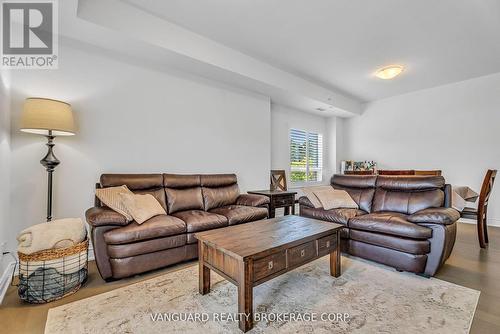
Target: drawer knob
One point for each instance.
(270, 265)
(328, 244)
(302, 253)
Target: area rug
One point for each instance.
(367, 298)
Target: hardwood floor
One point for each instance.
(479, 269)
(468, 265)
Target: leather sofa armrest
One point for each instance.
(100, 216)
(252, 200)
(443, 216)
(303, 200)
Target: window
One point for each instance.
(306, 156)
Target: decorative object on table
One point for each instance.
(53, 260)
(409, 172)
(358, 167)
(359, 172)
(50, 118)
(481, 213)
(278, 199)
(278, 180)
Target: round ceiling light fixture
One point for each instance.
(389, 72)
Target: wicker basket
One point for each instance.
(52, 274)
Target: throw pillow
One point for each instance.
(309, 192)
(111, 198)
(333, 199)
(142, 207)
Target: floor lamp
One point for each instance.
(49, 118)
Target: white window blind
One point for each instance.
(306, 156)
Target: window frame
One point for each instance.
(308, 168)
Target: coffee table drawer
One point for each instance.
(327, 244)
(269, 265)
(302, 253)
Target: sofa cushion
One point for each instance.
(340, 216)
(391, 223)
(410, 183)
(147, 246)
(411, 246)
(406, 202)
(220, 196)
(217, 180)
(181, 181)
(237, 214)
(156, 227)
(184, 199)
(139, 184)
(197, 220)
(361, 188)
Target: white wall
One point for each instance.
(455, 128)
(132, 119)
(282, 120)
(4, 158)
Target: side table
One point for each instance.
(278, 199)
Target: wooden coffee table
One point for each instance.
(250, 254)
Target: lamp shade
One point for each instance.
(43, 115)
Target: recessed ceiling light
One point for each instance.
(389, 72)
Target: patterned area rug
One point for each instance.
(367, 298)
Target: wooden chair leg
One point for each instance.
(480, 232)
(485, 224)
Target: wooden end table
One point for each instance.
(250, 254)
(278, 199)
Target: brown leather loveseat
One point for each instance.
(403, 221)
(193, 203)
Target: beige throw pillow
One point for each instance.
(111, 198)
(142, 207)
(334, 199)
(309, 192)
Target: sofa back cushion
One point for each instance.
(360, 187)
(138, 184)
(183, 192)
(219, 190)
(408, 194)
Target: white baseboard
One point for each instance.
(7, 267)
(491, 221)
(90, 254)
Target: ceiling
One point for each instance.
(339, 44)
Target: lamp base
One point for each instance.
(50, 162)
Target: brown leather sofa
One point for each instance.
(193, 203)
(403, 221)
